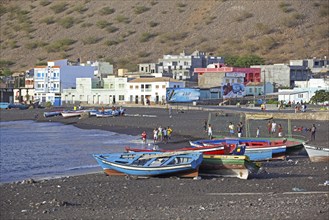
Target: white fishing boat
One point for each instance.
(317, 154)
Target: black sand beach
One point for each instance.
(293, 188)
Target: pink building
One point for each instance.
(217, 72)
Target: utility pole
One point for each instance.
(264, 86)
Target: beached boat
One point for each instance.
(227, 166)
(256, 149)
(317, 154)
(51, 114)
(104, 114)
(149, 163)
(209, 150)
(67, 114)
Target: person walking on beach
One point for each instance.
(160, 134)
(205, 125)
(144, 135)
(269, 127)
(155, 135)
(273, 127)
(165, 135)
(238, 129)
(313, 130)
(257, 132)
(209, 131)
(231, 129)
(241, 128)
(280, 130)
(169, 131)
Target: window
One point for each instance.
(121, 86)
(121, 97)
(250, 90)
(136, 87)
(300, 95)
(157, 86)
(131, 87)
(163, 86)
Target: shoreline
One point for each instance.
(293, 188)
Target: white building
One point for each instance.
(152, 89)
(50, 80)
(88, 92)
(304, 90)
(117, 90)
(182, 66)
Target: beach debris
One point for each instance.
(197, 178)
(296, 189)
(326, 183)
(28, 181)
(24, 210)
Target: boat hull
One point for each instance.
(317, 154)
(152, 165)
(227, 166)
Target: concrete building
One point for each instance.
(148, 67)
(303, 91)
(257, 88)
(88, 92)
(182, 66)
(24, 93)
(315, 65)
(151, 90)
(217, 75)
(283, 75)
(51, 80)
(118, 90)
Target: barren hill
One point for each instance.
(127, 32)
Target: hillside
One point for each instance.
(127, 32)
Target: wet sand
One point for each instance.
(293, 188)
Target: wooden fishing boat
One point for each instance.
(150, 163)
(67, 114)
(51, 114)
(209, 150)
(317, 154)
(260, 149)
(227, 166)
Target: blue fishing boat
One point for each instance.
(149, 163)
(256, 149)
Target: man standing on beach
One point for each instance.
(210, 131)
(231, 129)
(313, 130)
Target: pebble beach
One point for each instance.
(294, 188)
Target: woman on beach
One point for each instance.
(144, 135)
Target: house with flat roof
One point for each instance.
(151, 90)
(51, 80)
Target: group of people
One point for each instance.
(304, 129)
(273, 128)
(160, 134)
(238, 129)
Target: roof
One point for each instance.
(255, 84)
(287, 93)
(154, 79)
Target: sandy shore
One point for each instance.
(293, 188)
